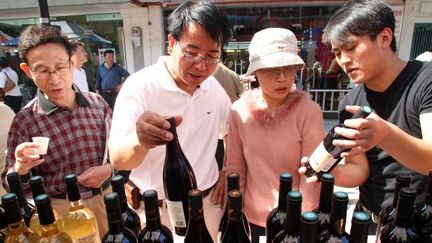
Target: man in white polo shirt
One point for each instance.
(79, 57)
(178, 85)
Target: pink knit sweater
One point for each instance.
(262, 144)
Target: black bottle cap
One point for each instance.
(195, 203)
(36, 184)
(11, 207)
(44, 209)
(233, 181)
(14, 180)
(403, 179)
(309, 218)
(117, 184)
(112, 205)
(72, 187)
(150, 198)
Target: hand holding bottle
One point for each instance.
(152, 129)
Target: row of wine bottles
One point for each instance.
(325, 224)
(403, 220)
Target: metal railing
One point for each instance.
(328, 99)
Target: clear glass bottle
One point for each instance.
(179, 179)
(18, 232)
(117, 232)
(130, 218)
(154, 231)
(80, 222)
(27, 209)
(276, 217)
(50, 232)
(36, 185)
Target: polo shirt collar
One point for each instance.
(49, 107)
(168, 83)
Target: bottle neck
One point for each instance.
(326, 197)
(115, 226)
(76, 205)
(17, 228)
(284, 188)
(153, 223)
(404, 212)
(50, 229)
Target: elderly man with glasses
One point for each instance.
(76, 123)
(178, 85)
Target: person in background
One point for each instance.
(109, 78)
(229, 79)
(425, 56)
(177, 85)
(397, 137)
(79, 57)
(272, 128)
(7, 116)
(9, 83)
(77, 124)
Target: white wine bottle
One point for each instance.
(36, 185)
(27, 209)
(80, 222)
(179, 179)
(17, 229)
(50, 231)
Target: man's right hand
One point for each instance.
(26, 157)
(152, 129)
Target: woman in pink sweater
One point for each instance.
(272, 128)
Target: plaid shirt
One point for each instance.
(77, 137)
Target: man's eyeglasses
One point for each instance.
(195, 58)
(275, 72)
(59, 71)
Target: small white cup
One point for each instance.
(42, 143)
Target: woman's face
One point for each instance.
(276, 83)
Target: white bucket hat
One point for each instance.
(273, 47)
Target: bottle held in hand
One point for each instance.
(326, 156)
(179, 179)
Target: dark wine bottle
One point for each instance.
(197, 230)
(326, 156)
(276, 217)
(233, 183)
(359, 227)
(179, 179)
(154, 231)
(325, 202)
(17, 229)
(423, 214)
(309, 227)
(291, 231)
(27, 209)
(50, 231)
(235, 231)
(3, 222)
(401, 230)
(117, 232)
(336, 232)
(130, 218)
(387, 214)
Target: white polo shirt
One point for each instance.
(205, 119)
(80, 79)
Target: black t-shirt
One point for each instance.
(409, 96)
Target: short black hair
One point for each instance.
(4, 62)
(360, 17)
(205, 13)
(109, 51)
(36, 35)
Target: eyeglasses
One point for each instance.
(275, 72)
(195, 58)
(59, 71)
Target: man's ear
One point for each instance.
(26, 69)
(385, 37)
(171, 42)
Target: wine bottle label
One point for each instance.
(176, 213)
(88, 238)
(320, 159)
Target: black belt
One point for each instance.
(109, 90)
(88, 194)
(205, 193)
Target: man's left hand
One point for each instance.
(95, 176)
(219, 191)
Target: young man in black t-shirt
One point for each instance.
(397, 137)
